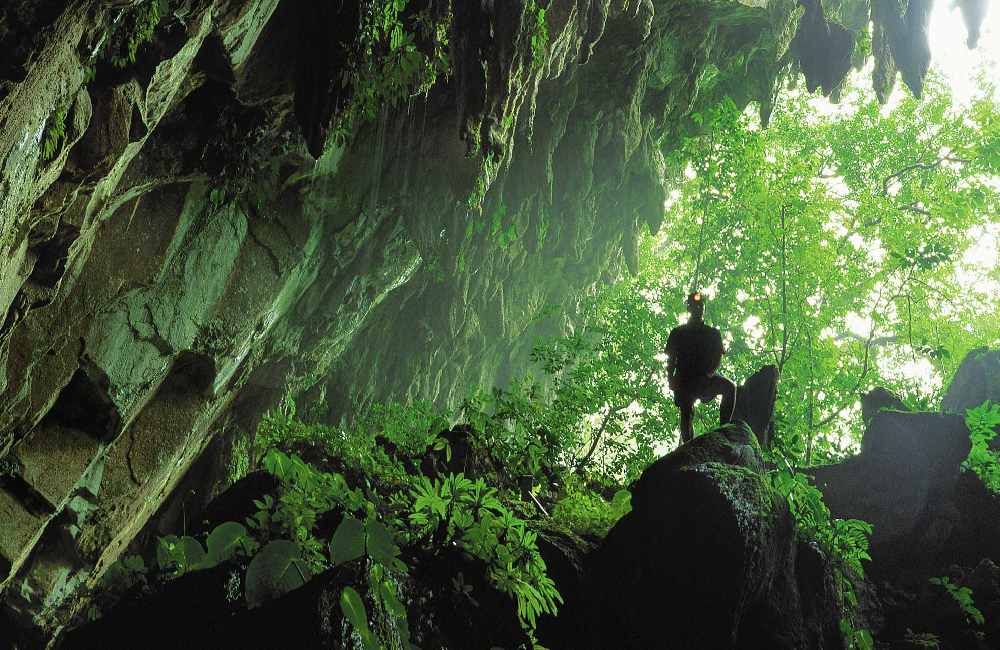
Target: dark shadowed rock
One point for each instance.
(205, 610)
(565, 557)
(977, 380)
(755, 401)
(707, 559)
(880, 399)
(902, 483)
(731, 445)
(237, 502)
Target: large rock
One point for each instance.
(977, 380)
(877, 400)
(707, 559)
(903, 484)
(755, 401)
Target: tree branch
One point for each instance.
(597, 437)
(922, 166)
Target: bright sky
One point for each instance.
(953, 58)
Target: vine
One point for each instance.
(397, 55)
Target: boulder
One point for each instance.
(708, 558)
(565, 556)
(977, 380)
(755, 401)
(903, 484)
(880, 399)
(205, 609)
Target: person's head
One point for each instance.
(696, 305)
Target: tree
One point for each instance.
(830, 245)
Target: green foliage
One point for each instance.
(131, 28)
(414, 429)
(586, 513)
(606, 408)
(348, 542)
(834, 245)
(856, 639)
(354, 539)
(354, 611)
(398, 54)
(225, 542)
(54, 136)
(239, 459)
(398, 506)
(511, 425)
(962, 596)
(843, 541)
(179, 555)
(176, 556)
(539, 33)
(134, 30)
(277, 569)
(306, 492)
(983, 423)
(457, 510)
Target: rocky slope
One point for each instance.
(184, 232)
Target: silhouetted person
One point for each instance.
(694, 351)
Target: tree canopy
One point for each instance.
(852, 248)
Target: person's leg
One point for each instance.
(719, 385)
(685, 404)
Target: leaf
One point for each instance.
(381, 546)
(277, 569)
(392, 603)
(224, 542)
(178, 555)
(348, 541)
(354, 611)
(166, 552)
(192, 553)
(278, 464)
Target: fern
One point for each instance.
(142, 23)
(54, 136)
(962, 596)
(844, 541)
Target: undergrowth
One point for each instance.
(983, 423)
(844, 542)
(400, 494)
